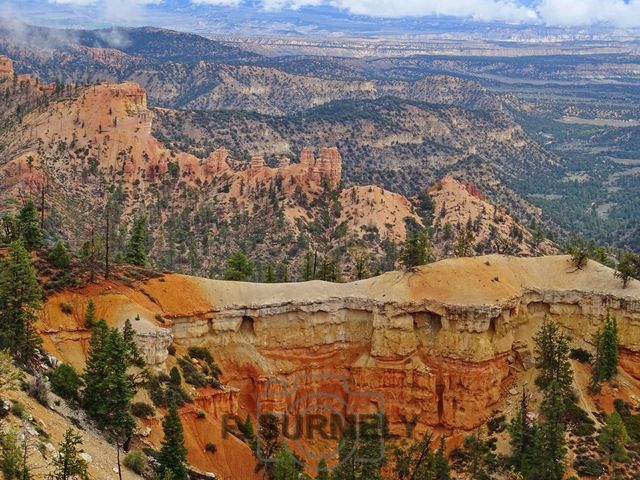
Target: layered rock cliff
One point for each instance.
(435, 343)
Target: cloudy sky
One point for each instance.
(575, 13)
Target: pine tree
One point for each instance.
(90, 315)
(270, 278)
(361, 452)
(609, 349)
(137, 246)
(521, 432)
(613, 438)
(59, 257)
(323, 470)
(239, 268)
(109, 389)
(68, 464)
(628, 267)
(267, 443)
(20, 298)
(30, 226)
(173, 454)
(553, 348)
(308, 266)
(440, 463)
(549, 447)
(9, 375)
(464, 242)
(417, 250)
(286, 467)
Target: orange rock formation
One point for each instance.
(437, 343)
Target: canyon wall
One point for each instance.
(436, 342)
(434, 347)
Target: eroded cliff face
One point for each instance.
(437, 344)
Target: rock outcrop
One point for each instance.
(6, 68)
(460, 206)
(435, 343)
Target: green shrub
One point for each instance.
(632, 424)
(66, 308)
(18, 409)
(142, 410)
(191, 374)
(581, 355)
(59, 257)
(11, 458)
(163, 392)
(200, 353)
(497, 424)
(588, 467)
(211, 447)
(135, 462)
(65, 381)
(200, 414)
(174, 375)
(622, 407)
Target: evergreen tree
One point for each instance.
(68, 464)
(267, 443)
(239, 268)
(65, 381)
(323, 470)
(109, 388)
(596, 366)
(418, 462)
(59, 257)
(464, 242)
(9, 375)
(549, 448)
(173, 454)
(90, 315)
(613, 438)
(20, 298)
(553, 348)
(270, 277)
(521, 434)
(30, 226)
(286, 467)
(480, 459)
(361, 453)
(628, 267)
(609, 349)
(174, 375)
(440, 463)
(417, 250)
(308, 266)
(580, 251)
(137, 246)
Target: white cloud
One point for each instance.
(121, 11)
(588, 12)
(623, 13)
(220, 3)
(508, 10)
(106, 3)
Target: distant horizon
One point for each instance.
(490, 19)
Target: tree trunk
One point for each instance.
(118, 456)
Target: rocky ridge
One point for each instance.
(86, 145)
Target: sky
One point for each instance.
(552, 13)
